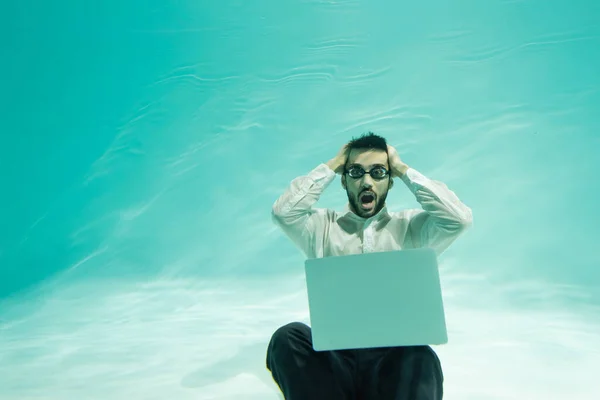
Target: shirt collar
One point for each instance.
(381, 215)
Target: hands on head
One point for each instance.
(397, 166)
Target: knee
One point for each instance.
(425, 353)
(289, 332)
(411, 354)
(287, 339)
(427, 356)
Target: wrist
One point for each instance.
(334, 165)
(400, 170)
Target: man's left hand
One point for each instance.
(397, 166)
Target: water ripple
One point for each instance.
(187, 74)
(379, 114)
(306, 74)
(333, 47)
(492, 53)
(365, 77)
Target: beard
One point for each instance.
(358, 210)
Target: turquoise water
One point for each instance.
(144, 143)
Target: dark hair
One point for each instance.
(368, 140)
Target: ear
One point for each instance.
(344, 181)
(391, 183)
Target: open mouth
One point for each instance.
(367, 200)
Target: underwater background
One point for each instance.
(143, 143)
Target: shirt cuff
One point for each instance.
(322, 172)
(413, 177)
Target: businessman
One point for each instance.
(367, 166)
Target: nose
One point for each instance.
(367, 181)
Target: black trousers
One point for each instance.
(392, 373)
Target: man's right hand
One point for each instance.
(338, 162)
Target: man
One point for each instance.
(367, 166)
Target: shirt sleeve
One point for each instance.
(293, 211)
(443, 216)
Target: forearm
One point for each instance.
(303, 192)
(293, 211)
(443, 218)
(442, 205)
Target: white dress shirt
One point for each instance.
(320, 232)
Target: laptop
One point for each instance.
(382, 299)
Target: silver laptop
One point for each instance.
(378, 299)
